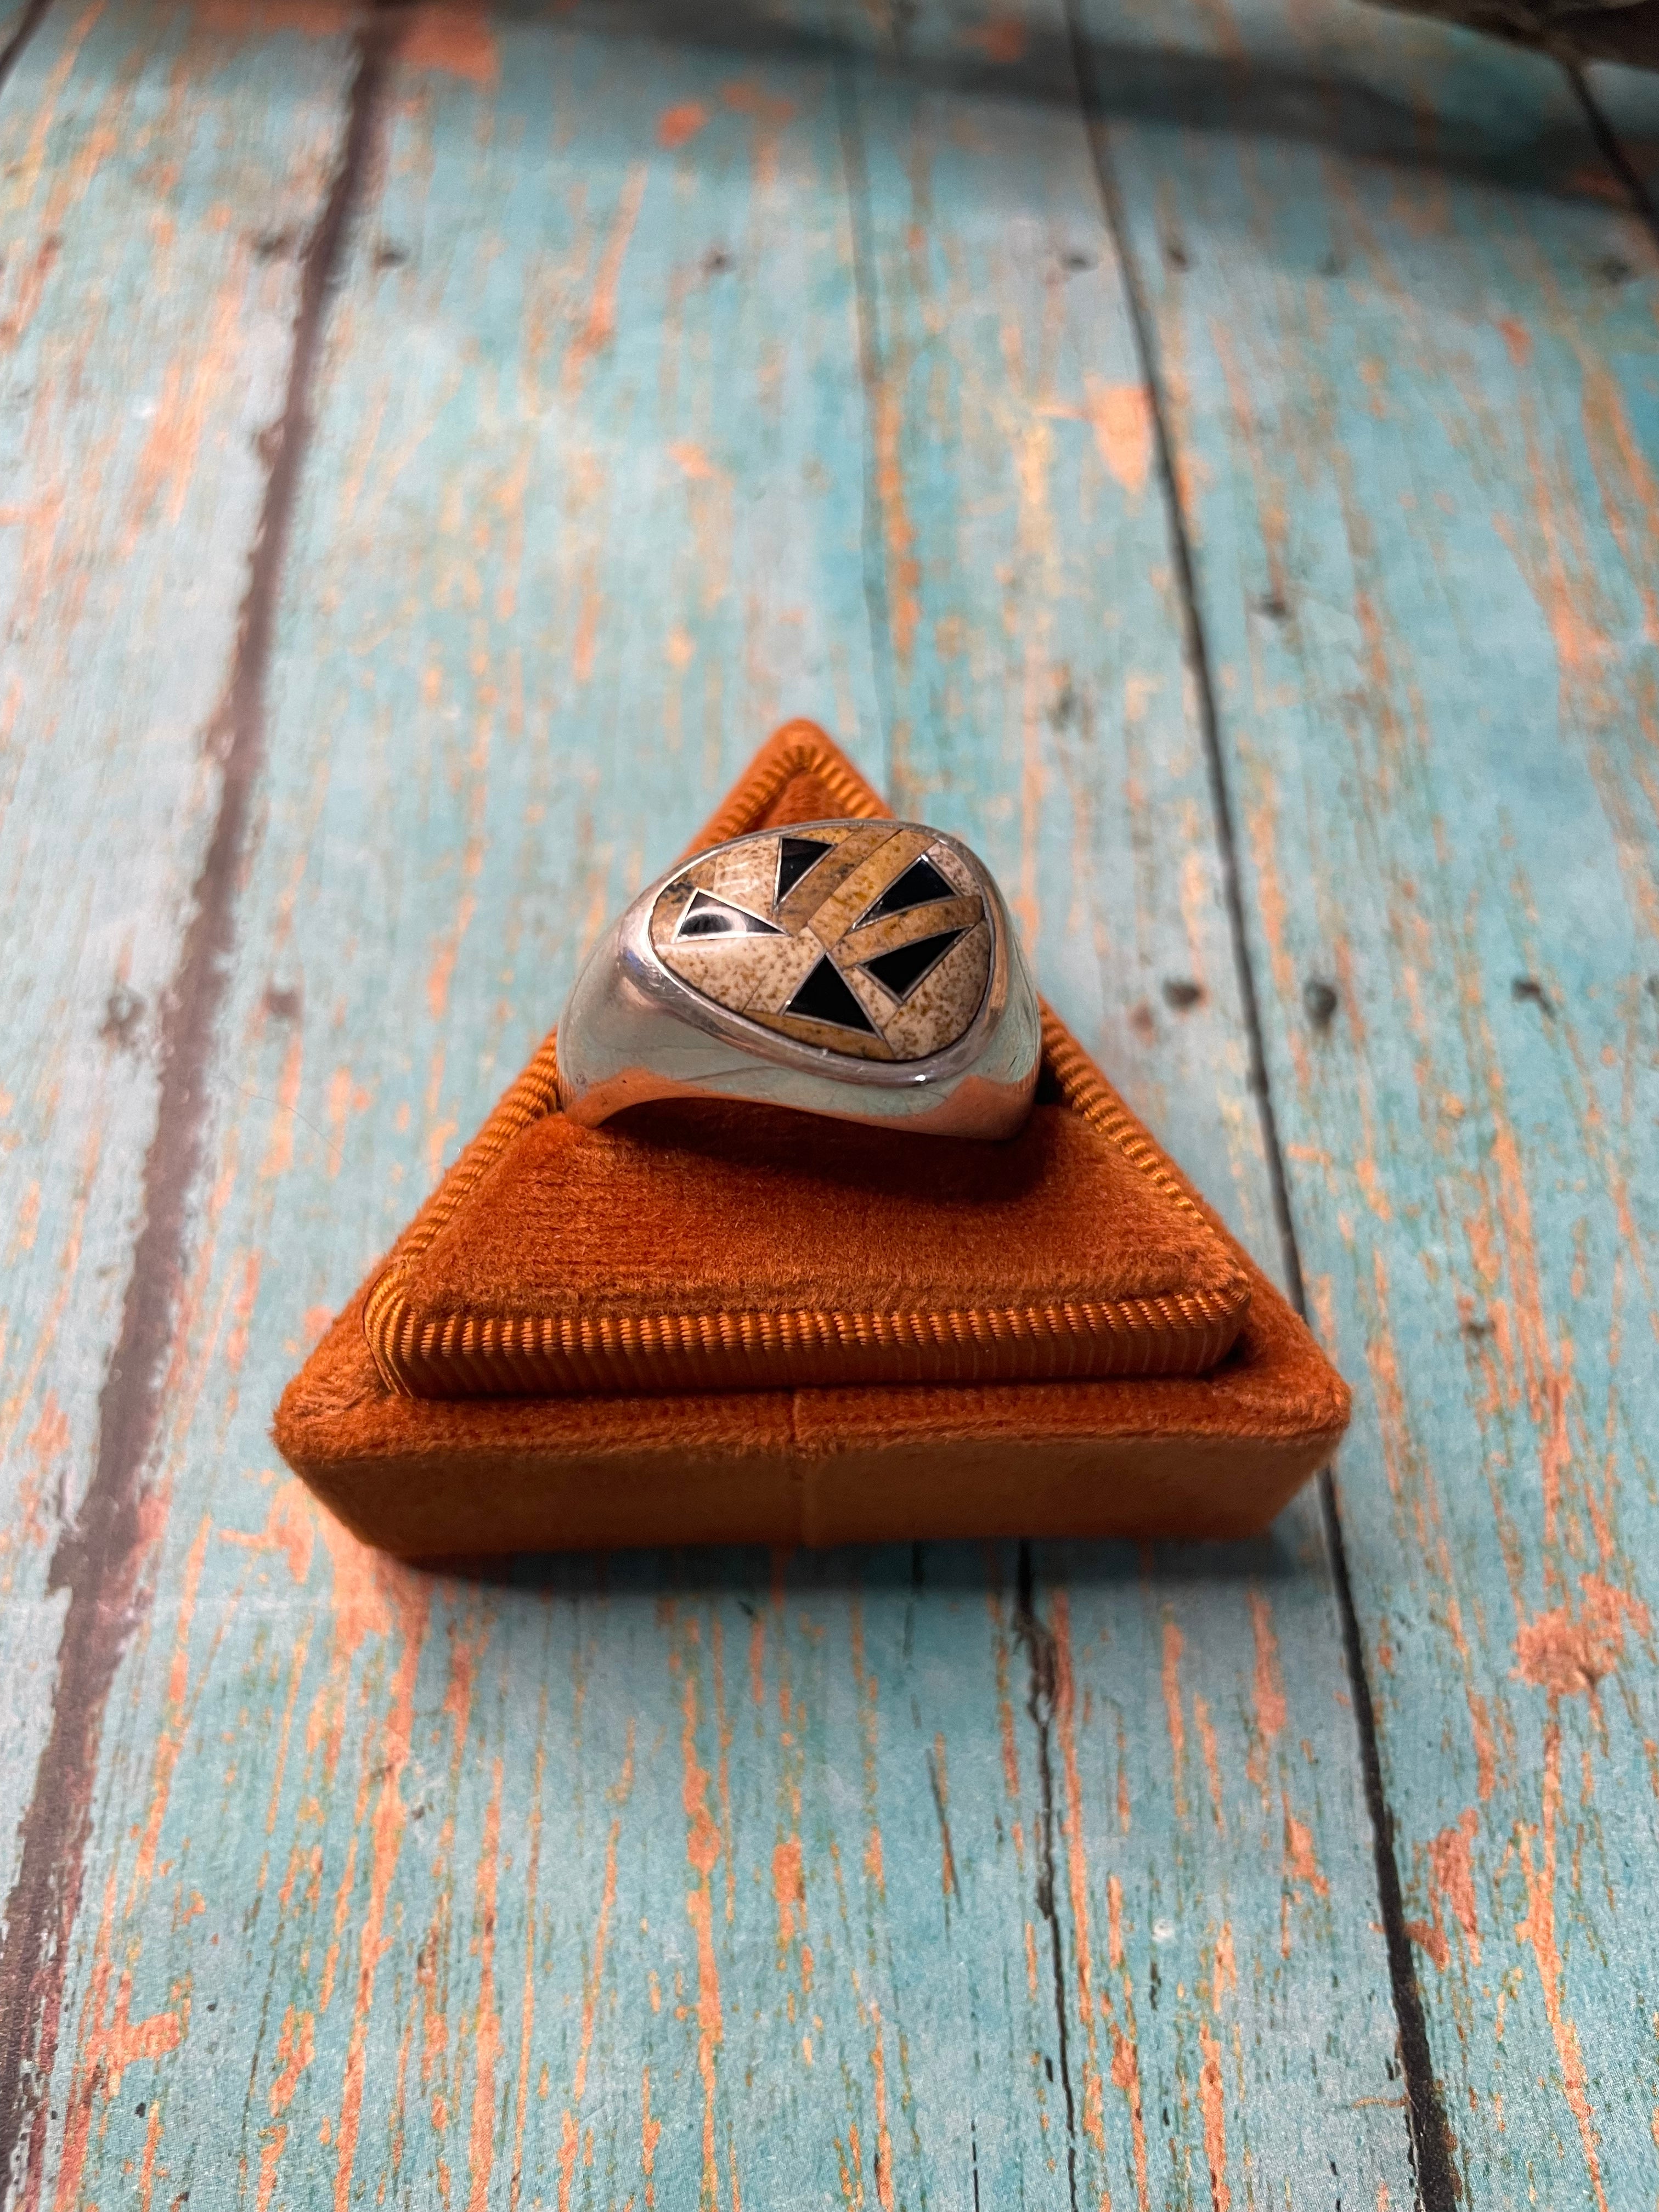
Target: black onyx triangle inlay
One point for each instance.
(824, 997)
(902, 971)
(920, 883)
(795, 856)
(713, 917)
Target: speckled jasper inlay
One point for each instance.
(867, 939)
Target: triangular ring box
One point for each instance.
(725, 1324)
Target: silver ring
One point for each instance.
(862, 970)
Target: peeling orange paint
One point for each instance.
(1537, 1930)
(1077, 1869)
(677, 125)
(279, 1153)
(1212, 2097)
(527, 1990)
(1301, 1867)
(599, 327)
(1225, 1982)
(1207, 1739)
(1174, 1644)
(702, 1847)
(296, 2046)
(362, 1608)
(591, 1982)
(693, 462)
(106, 2048)
(769, 112)
(451, 41)
(290, 1528)
(487, 2019)
(884, 2140)
(1451, 1879)
(166, 465)
(1000, 39)
(1569, 1655)
(904, 567)
(868, 1689)
(1120, 416)
(243, 20)
(789, 1889)
(170, 1737)
(1125, 2057)
(650, 2137)
(147, 2164)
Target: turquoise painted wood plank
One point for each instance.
(1410, 382)
(1230, 2030)
(511, 1891)
(600, 1890)
(152, 178)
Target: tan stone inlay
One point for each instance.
(748, 877)
(852, 1044)
(734, 971)
(821, 877)
(954, 869)
(834, 916)
(757, 973)
(877, 1000)
(670, 904)
(790, 960)
(894, 930)
(945, 1000)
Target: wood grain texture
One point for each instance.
(699, 1879)
(551, 1895)
(675, 384)
(1230, 2025)
(567, 1895)
(1405, 334)
(153, 176)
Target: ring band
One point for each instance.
(866, 970)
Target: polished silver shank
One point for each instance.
(635, 1029)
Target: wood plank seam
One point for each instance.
(1039, 1643)
(100, 1556)
(1430, 2134)
(1611, 149)
(1029, 1628)
(873, 550)
(27, 24)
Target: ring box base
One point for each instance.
(1142, 1455)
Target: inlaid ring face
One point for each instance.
(871, 940)
(867, 970)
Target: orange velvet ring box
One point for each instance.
(718, 1323)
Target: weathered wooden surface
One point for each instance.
(1034, 651)
(150, 172)
(1405, 331)
(667, 376)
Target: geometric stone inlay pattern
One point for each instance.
(867, 939)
